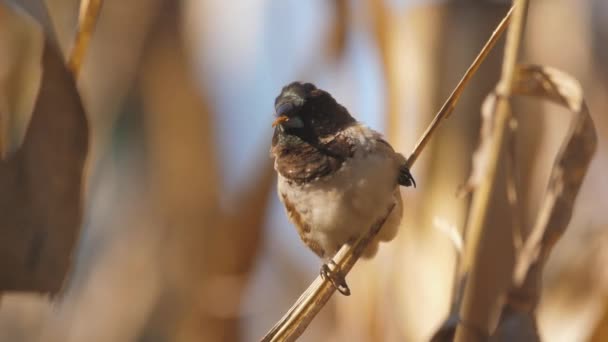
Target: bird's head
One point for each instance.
(303, 110)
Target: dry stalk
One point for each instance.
(299, 316)
(483, 190)
(87, 18)
(481, 198)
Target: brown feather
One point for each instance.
(305, 162)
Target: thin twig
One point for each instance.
(481, 198)
(450, 103)
(299, 316)
(89, 12)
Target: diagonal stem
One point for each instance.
(299, 316)
(481, 199)
(450, 103)
(89, 12)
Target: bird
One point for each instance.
(336, 176)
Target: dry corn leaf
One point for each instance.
(37, 10)
(571, 164)
(40, 185)
(517, 321)
(20, 72)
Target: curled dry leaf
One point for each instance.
(517, 320)
(20, 72)
(37, 10)
(571, 163)
(40, 186)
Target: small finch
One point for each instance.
(336, 176)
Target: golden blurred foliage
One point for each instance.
(137, 187)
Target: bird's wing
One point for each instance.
(405, 177)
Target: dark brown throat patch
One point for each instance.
(301, 161)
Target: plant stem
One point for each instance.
(299, 316)
(89, 12)
(481, 198)
(450, 103)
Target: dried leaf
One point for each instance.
(571, 164)
(40, 186)
(21, 42)
(37, 10)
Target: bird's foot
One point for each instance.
(335, 277)
(405, 177)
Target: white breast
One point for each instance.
(345, 204)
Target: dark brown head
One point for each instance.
(304, 111)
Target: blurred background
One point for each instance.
(183, 237)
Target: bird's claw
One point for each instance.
(405, 177)
(335, 277)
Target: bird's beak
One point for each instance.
(280, 120)
(288, 121)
